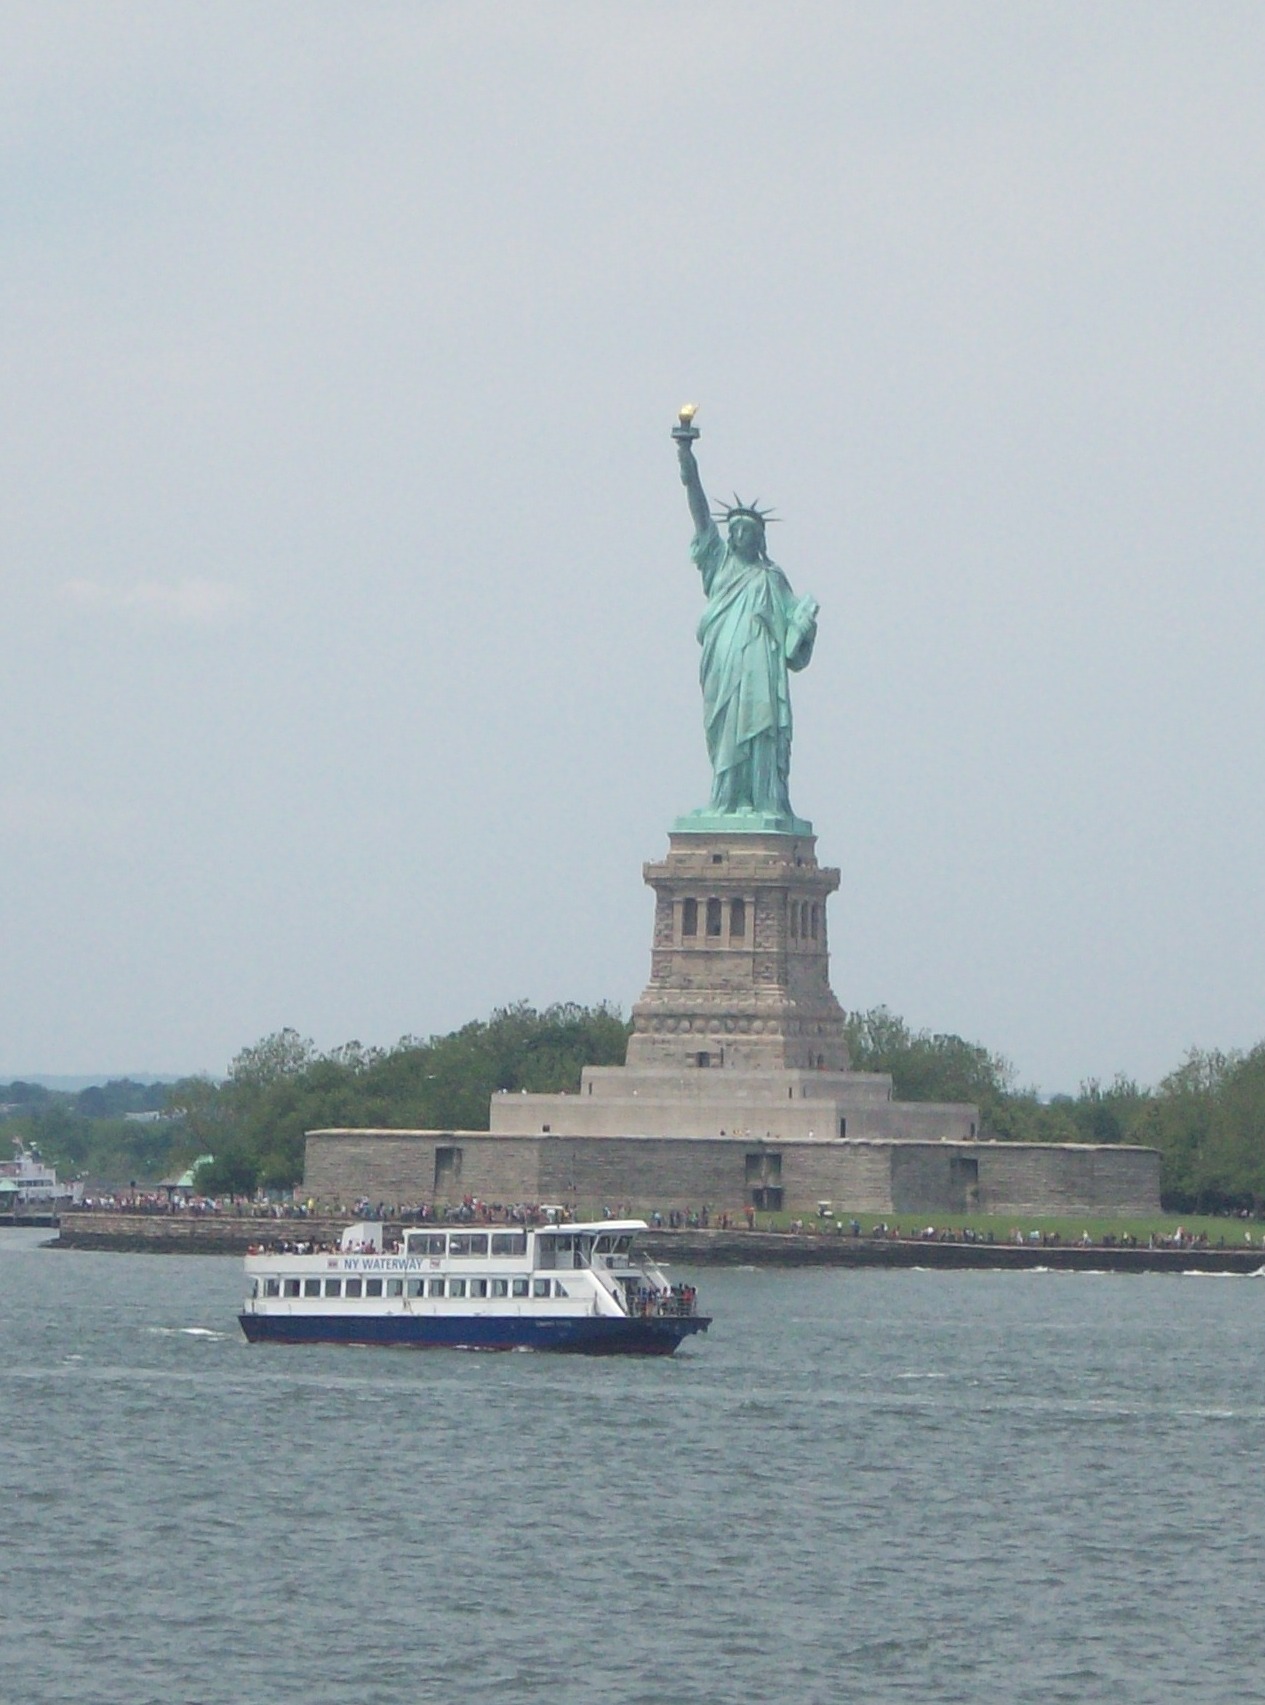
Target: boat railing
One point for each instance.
(680, 1302)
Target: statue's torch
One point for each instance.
(685, 431)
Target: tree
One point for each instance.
(926, 1066)
(1207, 1118)
(1109, 1115)
(281, 1087)
(283, 1054)
(233, 1173)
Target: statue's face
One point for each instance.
(745, 538)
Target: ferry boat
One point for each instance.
(29, 1187)
(580, 1288)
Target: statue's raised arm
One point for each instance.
(685, 432)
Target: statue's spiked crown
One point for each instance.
(732, 511)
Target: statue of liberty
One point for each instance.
(752, 632)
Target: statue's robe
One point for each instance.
(753, 630)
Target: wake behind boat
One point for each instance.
(578, 1288)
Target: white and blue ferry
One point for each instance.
(582, 1288)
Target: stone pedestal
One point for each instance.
(737, 1036)
(739, 970)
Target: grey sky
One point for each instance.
(348, 618)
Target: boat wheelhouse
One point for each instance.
(581, 1288)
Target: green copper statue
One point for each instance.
(752, 632)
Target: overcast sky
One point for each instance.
(348, 622)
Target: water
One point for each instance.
(915, 1485)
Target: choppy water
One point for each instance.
(957, 1486)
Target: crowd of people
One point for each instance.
(178, 1201)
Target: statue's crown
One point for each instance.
(752, 511)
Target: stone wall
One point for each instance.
(932, 1178)
(782, 1106)
(640, 1172)
(185, 1233)
(1041, 1178)
(421, 1166)
(923, 1180)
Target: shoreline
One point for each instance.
(207, 1234)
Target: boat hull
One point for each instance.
(586, 1335)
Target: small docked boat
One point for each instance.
(578, 1288)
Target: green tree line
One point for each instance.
(88, 1133)
(1207, 1118)
(254, 1122)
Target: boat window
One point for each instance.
(426, 1243)
(434, 1288)
(468, 1243)
(500, 1287)
(311, 1287)
(456, 1287)
(417, 1287)
(333, 1287)
(272, 1287)
(254, 1287)
(519, 1288)
(509, 1243)
(373, 1287)
(353, 1287)
(478, 1287)
(559, 1289)
(290, 1288)
(395, 1287)
(540, 1287)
